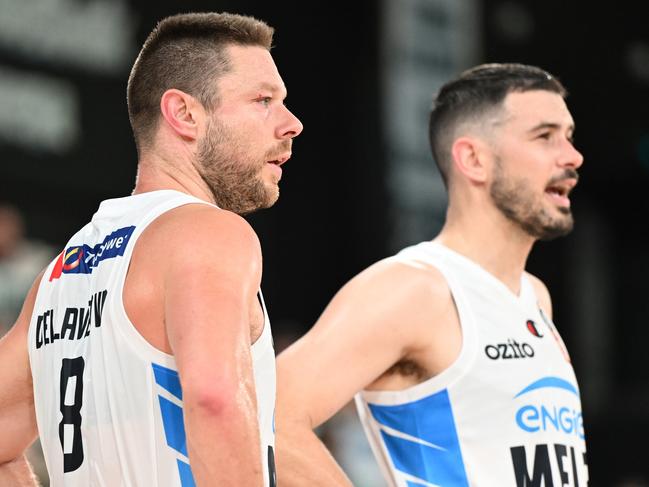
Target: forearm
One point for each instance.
(302, 459)
(224, 448)
(17, 473)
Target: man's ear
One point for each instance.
(182, 112)
(470, 159)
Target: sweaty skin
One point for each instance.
(396, 325)
(191, 289)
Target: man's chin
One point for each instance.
(272, 194)
(557, 230)
(267, 202)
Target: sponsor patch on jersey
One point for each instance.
(550, 411)
(511, 349)
(82, 259)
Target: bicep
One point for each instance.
(355, 341)
(208, 294)
(17, 415)
(206, 318)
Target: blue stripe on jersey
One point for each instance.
(172, 419)
(168, 379)
(556, 382)
(414, 484)
(432, 453)
(186, 476)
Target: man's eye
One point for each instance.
(545, 136)
(264, 100)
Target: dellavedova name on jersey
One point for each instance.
(548, 464)
(76, 324)
(82, 259)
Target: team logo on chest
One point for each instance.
(532, 328)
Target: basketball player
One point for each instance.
(459, 374)
(143, 354)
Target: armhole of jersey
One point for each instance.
(31, 329)
(528, 291)
(266, 330)
(123, 323)
(460, 365)
(375, 441)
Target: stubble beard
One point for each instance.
(517, 202)
(233, 177)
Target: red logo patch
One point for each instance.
(531, 326)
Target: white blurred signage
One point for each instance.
(425, 44)
(96, 35)
(40, 112)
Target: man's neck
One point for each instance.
(156, 173)
(495, 243)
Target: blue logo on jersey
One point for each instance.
(82, 259)
(542, 416)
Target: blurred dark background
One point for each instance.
(65, 144)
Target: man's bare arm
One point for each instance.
(212, 278)
(372, 323)
(17, 473)
(17, 415)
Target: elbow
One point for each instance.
(212, 398)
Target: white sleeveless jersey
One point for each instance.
(507, 412)
(109, 405)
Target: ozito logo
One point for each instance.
(82, 259)
(509, 350)
(531, 326)
(542, 414)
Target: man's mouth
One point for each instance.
(559, 191)
(281, 159)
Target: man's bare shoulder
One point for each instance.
(542, 293)
(397, 295)
(394, 310)
(199, 223)
(405, 279)
(202, 232)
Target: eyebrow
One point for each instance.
(271, 87)
(550, 125)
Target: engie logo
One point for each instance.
(82, 259)
(544, 415)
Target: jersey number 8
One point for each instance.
(70, 407)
